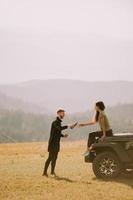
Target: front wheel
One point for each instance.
(106, 165)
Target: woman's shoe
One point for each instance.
(86, 153)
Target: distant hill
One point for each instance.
(73, 95)
(15, 104)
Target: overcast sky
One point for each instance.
(75, 39)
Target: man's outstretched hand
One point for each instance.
(73, 125)
(66, 135)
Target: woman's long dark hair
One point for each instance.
(101, 106)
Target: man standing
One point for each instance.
(54, 142)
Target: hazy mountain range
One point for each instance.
(46, 96)
(12, 104)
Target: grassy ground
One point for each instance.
(21, 167)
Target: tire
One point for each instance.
(106, 165)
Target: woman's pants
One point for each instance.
(99, 134)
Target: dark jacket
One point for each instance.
(55, 135)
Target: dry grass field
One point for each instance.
(21, 168)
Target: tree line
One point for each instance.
(18, 126)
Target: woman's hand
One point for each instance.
(81, 125)
(103, 138)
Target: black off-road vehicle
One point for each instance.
(112, 156)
